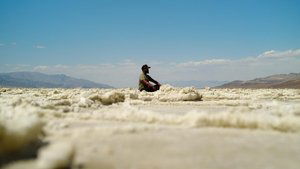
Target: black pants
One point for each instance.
(148, 89)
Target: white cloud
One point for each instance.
(236, 69)
(206, 62)
(280, 54)
(59, 66)
(127, 62)
(249, 60)
(15, 67)
(12, 43)
(40, 68)
(39, 46)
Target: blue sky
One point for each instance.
(65, 33)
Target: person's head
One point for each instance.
(145, 69)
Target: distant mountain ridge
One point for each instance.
(41, 80)
(291, 80)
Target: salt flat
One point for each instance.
(170, 128)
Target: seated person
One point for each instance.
(145, 79)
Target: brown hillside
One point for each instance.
(291, 80)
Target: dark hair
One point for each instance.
(145, 67)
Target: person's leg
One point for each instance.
(156, 87)
(148, 89)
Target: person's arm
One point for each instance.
(152, 80)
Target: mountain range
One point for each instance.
(41, 80)
(291, 80)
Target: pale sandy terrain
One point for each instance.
(176, 128)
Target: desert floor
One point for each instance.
(178, 128)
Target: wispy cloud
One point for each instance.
(15, 67)
(12, 44)
(40, 68)
(205, 62)
(280, 54)
(127, 62)
(39, 46)
(271, 54)
(59, 66)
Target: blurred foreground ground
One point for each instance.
(173, 128)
